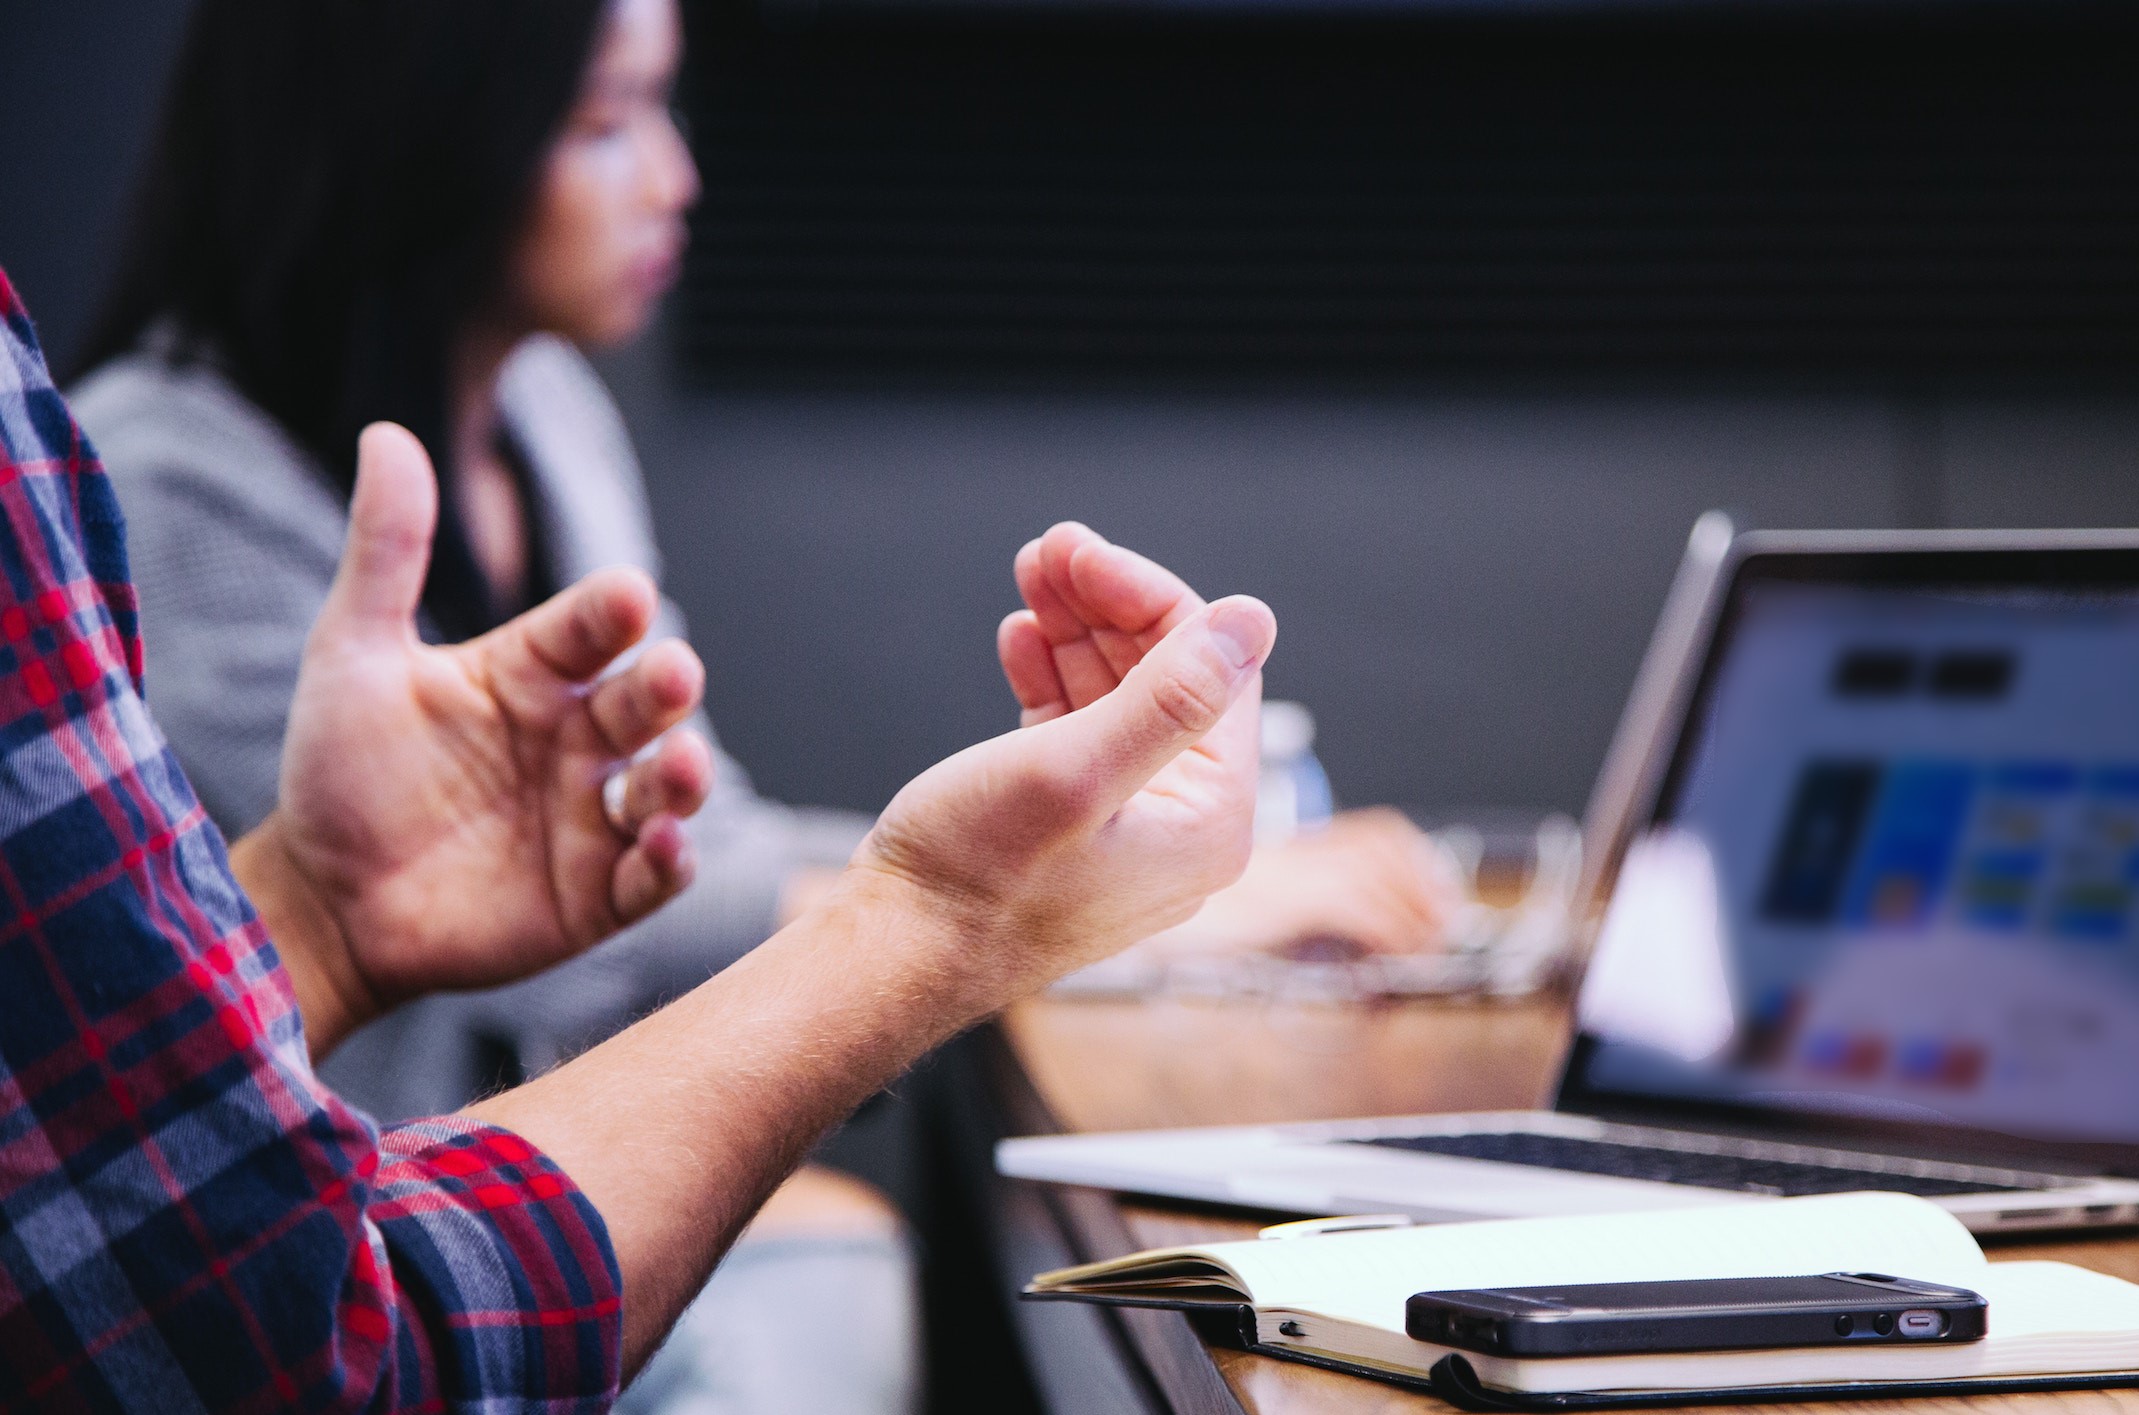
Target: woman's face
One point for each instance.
(606, 236)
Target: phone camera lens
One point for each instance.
(1884, 1324)
(1844, 1324)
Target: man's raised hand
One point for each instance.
(1125, 799)
(1371, 877)
(441, 822)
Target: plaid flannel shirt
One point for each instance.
(189, 1221)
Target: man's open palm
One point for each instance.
(445, 804)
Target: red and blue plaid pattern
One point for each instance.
(188, 1219)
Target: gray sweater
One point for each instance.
(234, 533)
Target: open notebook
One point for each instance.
(1338, 1299)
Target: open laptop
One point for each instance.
(1869, 902)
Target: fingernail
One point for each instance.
(1242, 631)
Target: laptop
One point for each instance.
(1866, 892)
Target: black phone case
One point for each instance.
(1650, 1324)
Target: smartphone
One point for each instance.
(1637, 1318)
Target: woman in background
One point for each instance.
(420, 211)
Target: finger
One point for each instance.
(1392, 921)
(393, 513)
(1086, 667)
(1407, 861)
(659, 865)
(1053, 614)
(1087, 673)
(660, 689)
(1182, 691)
(673, 781)
(1129, 593)
(1389, 881)
(1059, 545)
(1133, 602)
(1100, 605)
(578, 632)
(1075, 661)
(1029, 665)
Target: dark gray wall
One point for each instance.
(81, 80)
(1464, 580)
(1464, 583)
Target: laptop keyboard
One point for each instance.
(1706, 1169)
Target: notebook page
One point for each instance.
(2037, 1300)
(1365, 1277)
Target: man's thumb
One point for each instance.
(1179, 693)
(392, 517)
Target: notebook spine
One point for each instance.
(1454, 1380)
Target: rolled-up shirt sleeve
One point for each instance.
(501, 1270)
(189, 1220)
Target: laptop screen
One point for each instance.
(1894, 870)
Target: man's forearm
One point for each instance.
(678, 1127)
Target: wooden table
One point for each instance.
(1105, 1065)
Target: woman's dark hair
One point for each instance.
(333, 195)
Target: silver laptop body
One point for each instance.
(1893, 778)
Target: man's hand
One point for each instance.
(1127, 796)
(441, 822)
(1371, 879)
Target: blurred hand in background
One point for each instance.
(1369, 881)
